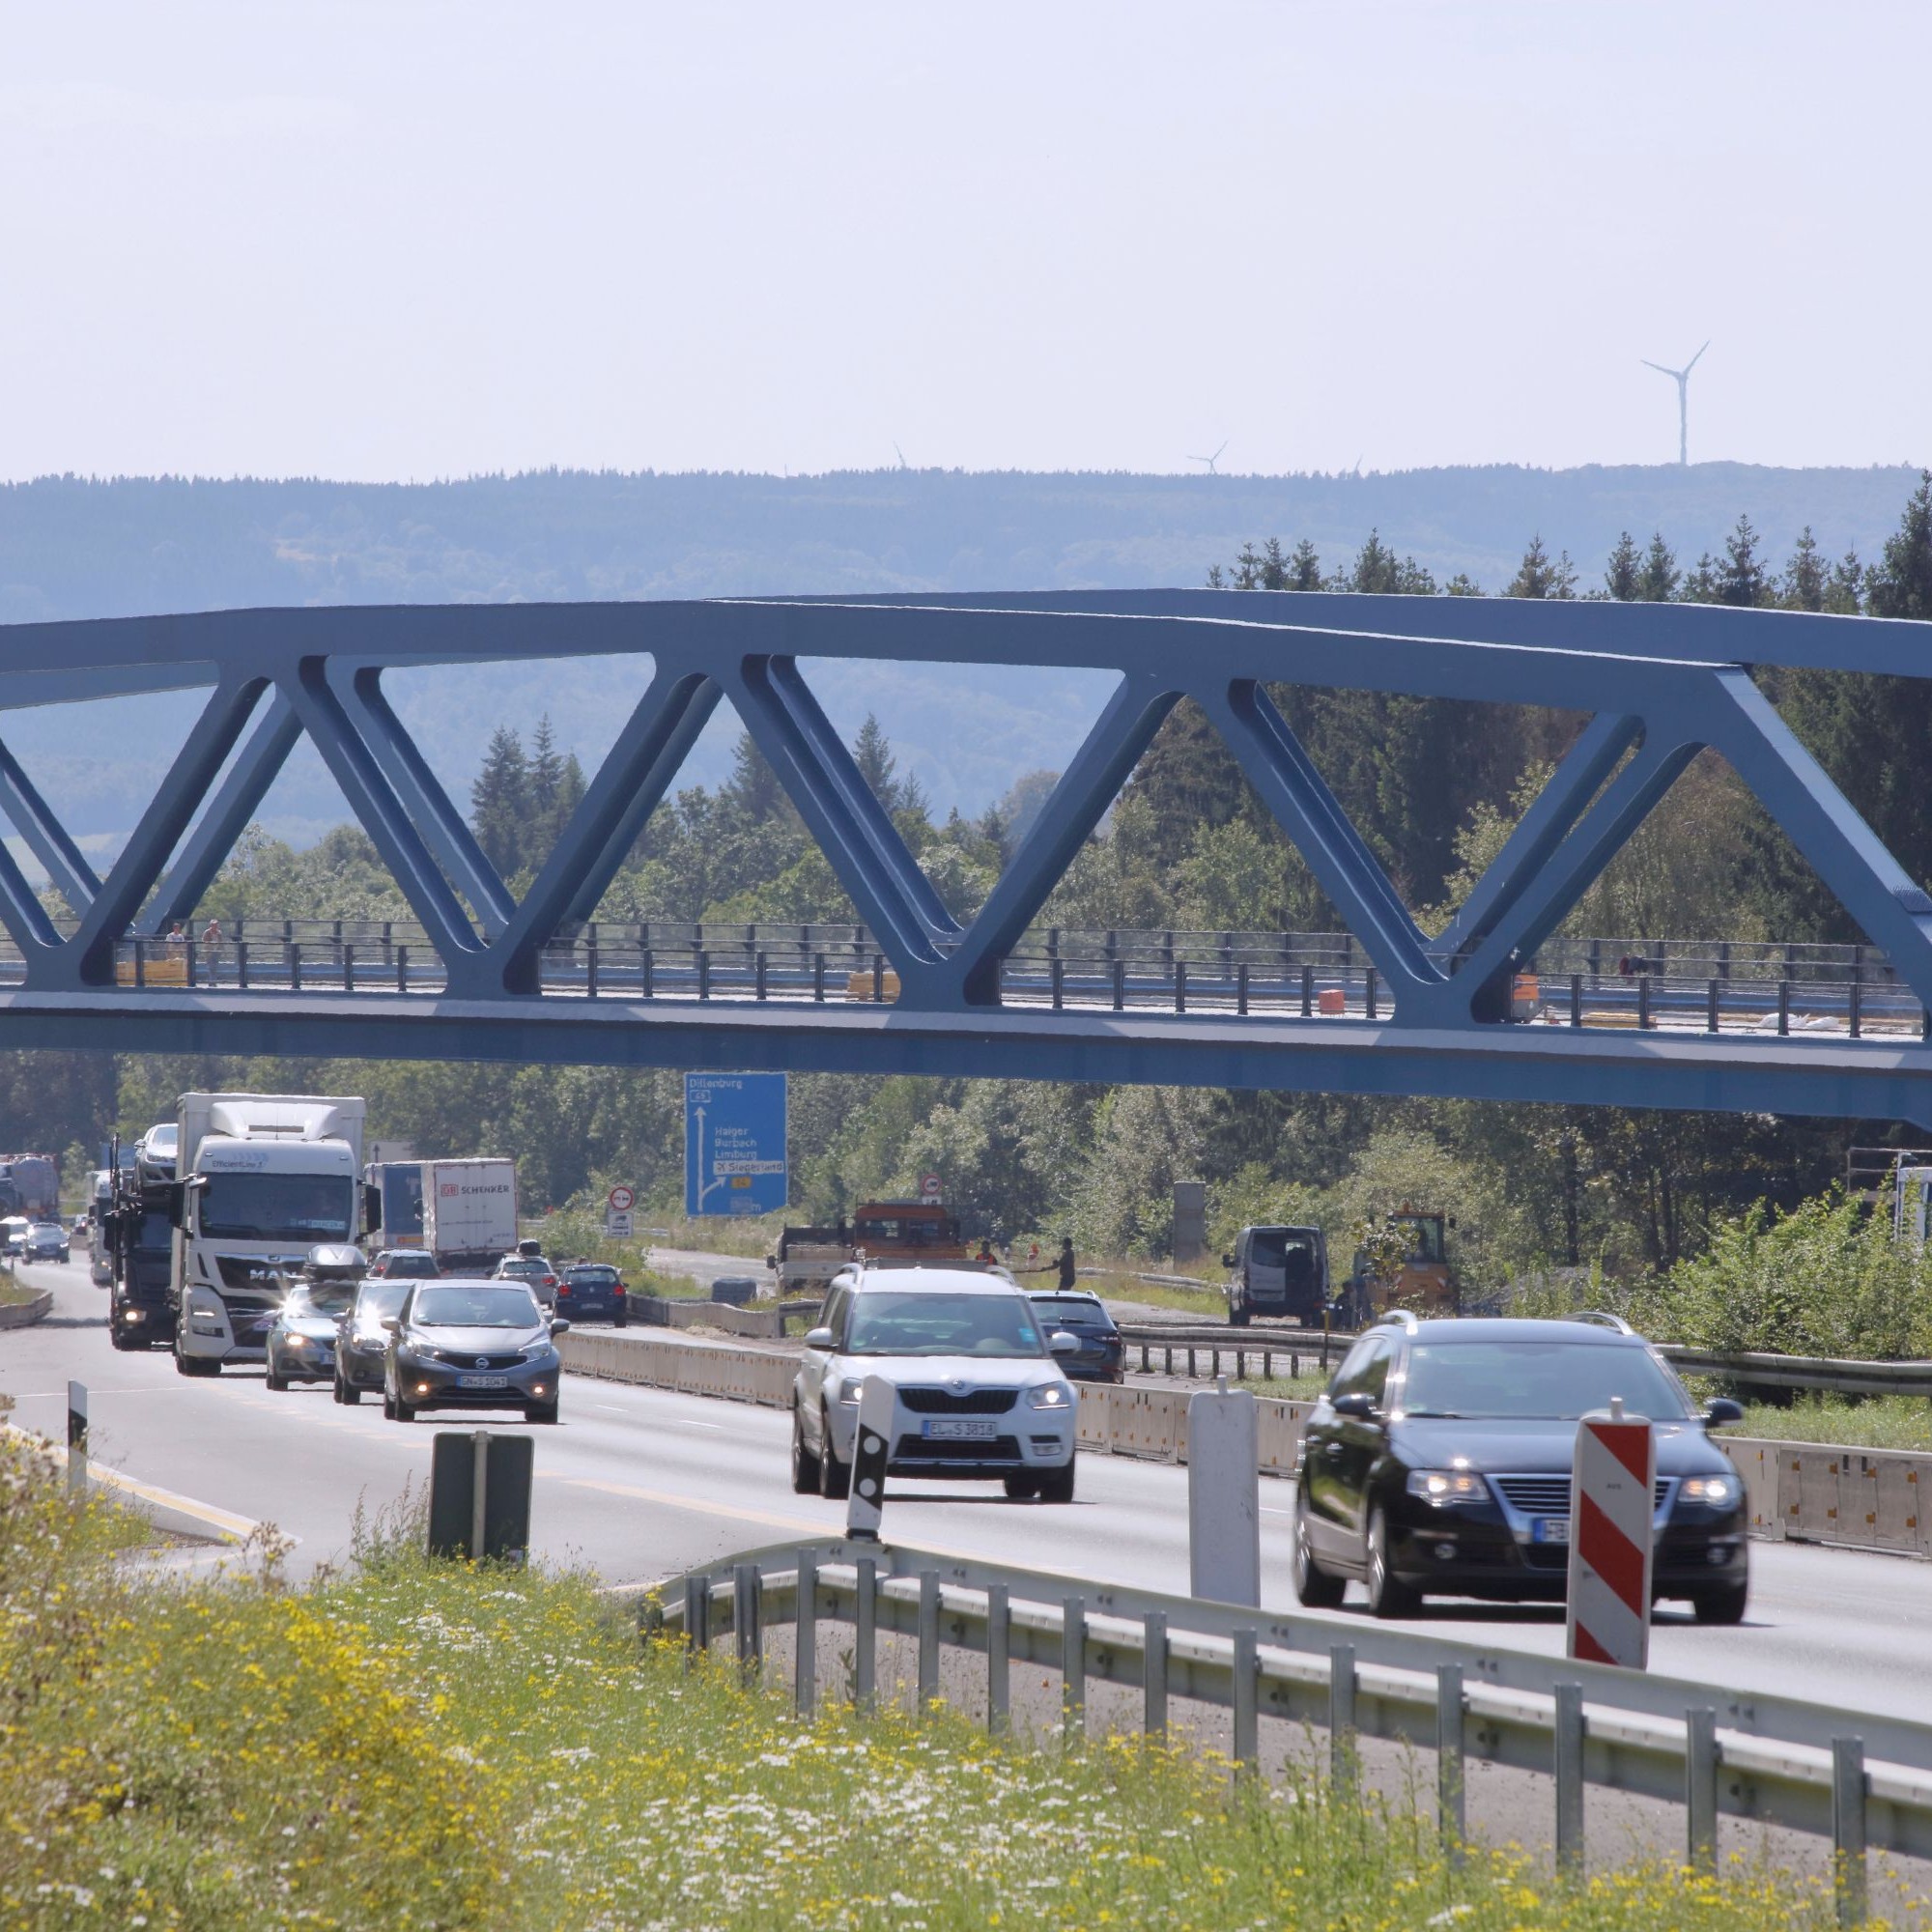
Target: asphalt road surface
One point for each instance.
(641, 1483)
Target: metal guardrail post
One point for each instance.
(696, 1617)
(1119, 986)
(818, 978)
(928, 1639)
(1181, 986)
(1449, 1762)
(758, 969)
(1711, 1006)
(1643, 1003)
(1368, 993)
(1341, 1763)
(999, 1658)
(1073, 1665)
(1056, 973)
(878, 979)
(1854, 1005)
(747, 1591)
(140, 962)
(703, 974)
(646, 974)
(864, 1631)
(348, 969)
(295, 952)
(805, 1632)
(187, 959)
(1847, 1827)
(402, 969)
(1783, 1006)
(1569, 1767)
(1307, 991)
(1241, 987)
(1153, 1674)
(242, 965)
(590, 969)
(1575, 999)
(1247, 1691)
(1700, 1789)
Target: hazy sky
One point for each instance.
(396, 239)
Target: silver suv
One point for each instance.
(978, 1394)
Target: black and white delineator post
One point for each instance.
(1224, 1501)
(76, 1439)
(871, 1449)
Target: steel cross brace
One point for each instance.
(1657, 683)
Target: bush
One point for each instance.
(1826, 1279)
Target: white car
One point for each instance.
(979, 1396)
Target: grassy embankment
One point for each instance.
(409, 1747)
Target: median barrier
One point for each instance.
(1798, 1491)
(24, 1313)
(759, 1325)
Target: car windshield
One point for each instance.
(931, 1323)
(320, 1298)
(305, 1207)
(1558, 1380)
(1071, 1311)
(1275, 1247)
(476, 1308)
(376, 1300)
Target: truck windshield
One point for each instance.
(305, 1207)
(922, 1322)
(155, 1234)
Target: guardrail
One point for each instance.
(1777, 1760)
(1834, 1375)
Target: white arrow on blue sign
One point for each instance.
(734, 1144)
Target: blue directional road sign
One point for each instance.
(734, 1143)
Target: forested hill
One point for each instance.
(75, 547)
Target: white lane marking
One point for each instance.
(685, 1422)
(615, 1409)
(1265, 1511)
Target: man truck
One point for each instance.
(260, 1179)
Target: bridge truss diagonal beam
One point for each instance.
(46, 837)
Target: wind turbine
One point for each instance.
(1682, 378)
(1211, 461)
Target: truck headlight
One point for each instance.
(1050, 1395)
(1444, 1486)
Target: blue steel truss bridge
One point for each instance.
(1499, 1006)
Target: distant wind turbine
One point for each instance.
(1682, 378)
(1211, 461)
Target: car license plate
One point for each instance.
(482, 1382)
(957, 1428)
(1549, 1529)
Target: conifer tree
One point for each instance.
(499, 802)
(1660, 572)
(1623, 579)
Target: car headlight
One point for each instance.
(536, 1351)
(423, 1352)
(1709, 1490)
(852, 1388)
(1444, 1486)
(1050, 1395)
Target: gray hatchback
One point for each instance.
(471, 1344)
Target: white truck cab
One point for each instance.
(264, 1177)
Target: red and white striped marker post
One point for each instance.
(1612, 1486)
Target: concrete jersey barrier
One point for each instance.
(1795, 1491)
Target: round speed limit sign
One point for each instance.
(622, 1199)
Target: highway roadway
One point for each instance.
(641, 1483)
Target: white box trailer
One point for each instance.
(469, 1213)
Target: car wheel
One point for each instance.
(1722, 1605)
(1314, 1586)
(1020, 1488)
(121, 1339)
(539, 1411)
(388, 1404)
(834, 1478)
(351, 1394)
(401, 1411)
(1056, 1485)
(804, 1477)
(1388, 1595)
(273, 1381)
(1239, 1315)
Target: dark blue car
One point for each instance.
(1101, 1353)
